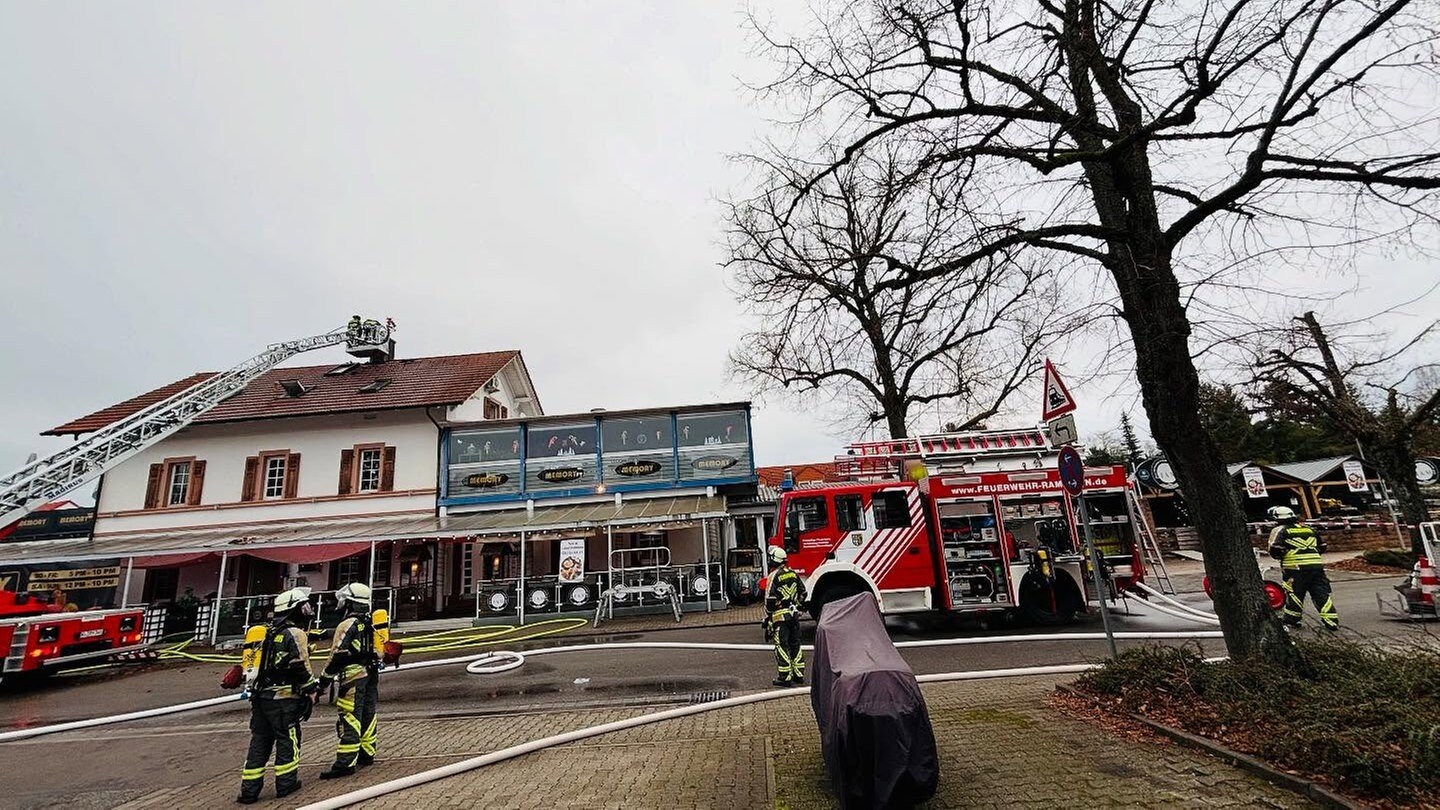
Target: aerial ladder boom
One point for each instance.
(44, 480)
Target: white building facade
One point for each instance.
(310, 476)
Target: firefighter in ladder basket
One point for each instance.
(784, 598)
(355, 666)
(1298, 548)
(282, 692)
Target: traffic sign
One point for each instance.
(1057, 399)
(1062, 430)
(1072, 470)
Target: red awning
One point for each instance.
(306, 554)
(170, 560)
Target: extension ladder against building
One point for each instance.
(44, 480)
(1149, 545)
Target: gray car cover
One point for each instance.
(875, 732)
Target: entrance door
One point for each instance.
(416, 593)
(256, 577)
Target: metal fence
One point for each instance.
(548, 595)
(229, 616)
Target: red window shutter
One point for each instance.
(152, 486)
(292, 475)
(252, 475)
(197, 482)
(387, 470)
(347, 470)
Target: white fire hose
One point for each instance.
(1176, 605)
(512, 660)
(495, 662)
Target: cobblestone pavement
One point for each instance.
(1000, 746)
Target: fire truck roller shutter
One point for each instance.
(1049, 604)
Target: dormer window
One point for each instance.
(293, 388)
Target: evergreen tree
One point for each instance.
(1132, 443)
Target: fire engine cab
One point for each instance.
(963, 522)
(35, 637)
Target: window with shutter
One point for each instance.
(387, 471)
(152, 486)
(292, 475)
(248, 486)
(367, 478)
(347, 470)
(197, 482)
(177, 478)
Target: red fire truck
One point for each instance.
(966, 522)
(36, 638)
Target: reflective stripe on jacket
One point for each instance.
(784, 594)
(1295, 546)
(350, 650)
(285, 664)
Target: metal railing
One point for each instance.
(228, 616)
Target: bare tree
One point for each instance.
(1167, 142)
(846, 305)
(1366, 392)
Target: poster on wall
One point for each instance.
(637, 450)
(560, 456)
(713, 445)
(484, 462)
(78, 586)
(1254, 482)
(572, 560)
(1355, 476)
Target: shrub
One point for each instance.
(1389, 558)
(1365, 719)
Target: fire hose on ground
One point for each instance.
(495, 662)
(1176, 607)
(503, 661)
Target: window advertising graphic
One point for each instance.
(572, 560)
(713, 445)
(637, 450)
(560, 456)
(485, 462)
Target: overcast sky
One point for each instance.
(182, 184)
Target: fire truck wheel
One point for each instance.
(832, 589)
(1048, 605)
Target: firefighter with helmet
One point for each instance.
(282, 692)
(1298, 548)
(784, 598)
(355, 666)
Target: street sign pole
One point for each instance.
(1072, 477)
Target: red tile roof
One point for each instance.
(819, 471)
(414, 383)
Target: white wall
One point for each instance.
(319, 441)
(511, 385)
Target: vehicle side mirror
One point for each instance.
(792, 539)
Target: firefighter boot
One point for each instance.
(336, 771)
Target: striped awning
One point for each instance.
(655, 512)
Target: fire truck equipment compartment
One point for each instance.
(875, 731)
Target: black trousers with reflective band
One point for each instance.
(1312, 581)
(273, 724)
(356, 724)
(789, 660)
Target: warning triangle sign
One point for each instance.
(1057, 399)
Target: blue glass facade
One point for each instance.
(633, 451)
